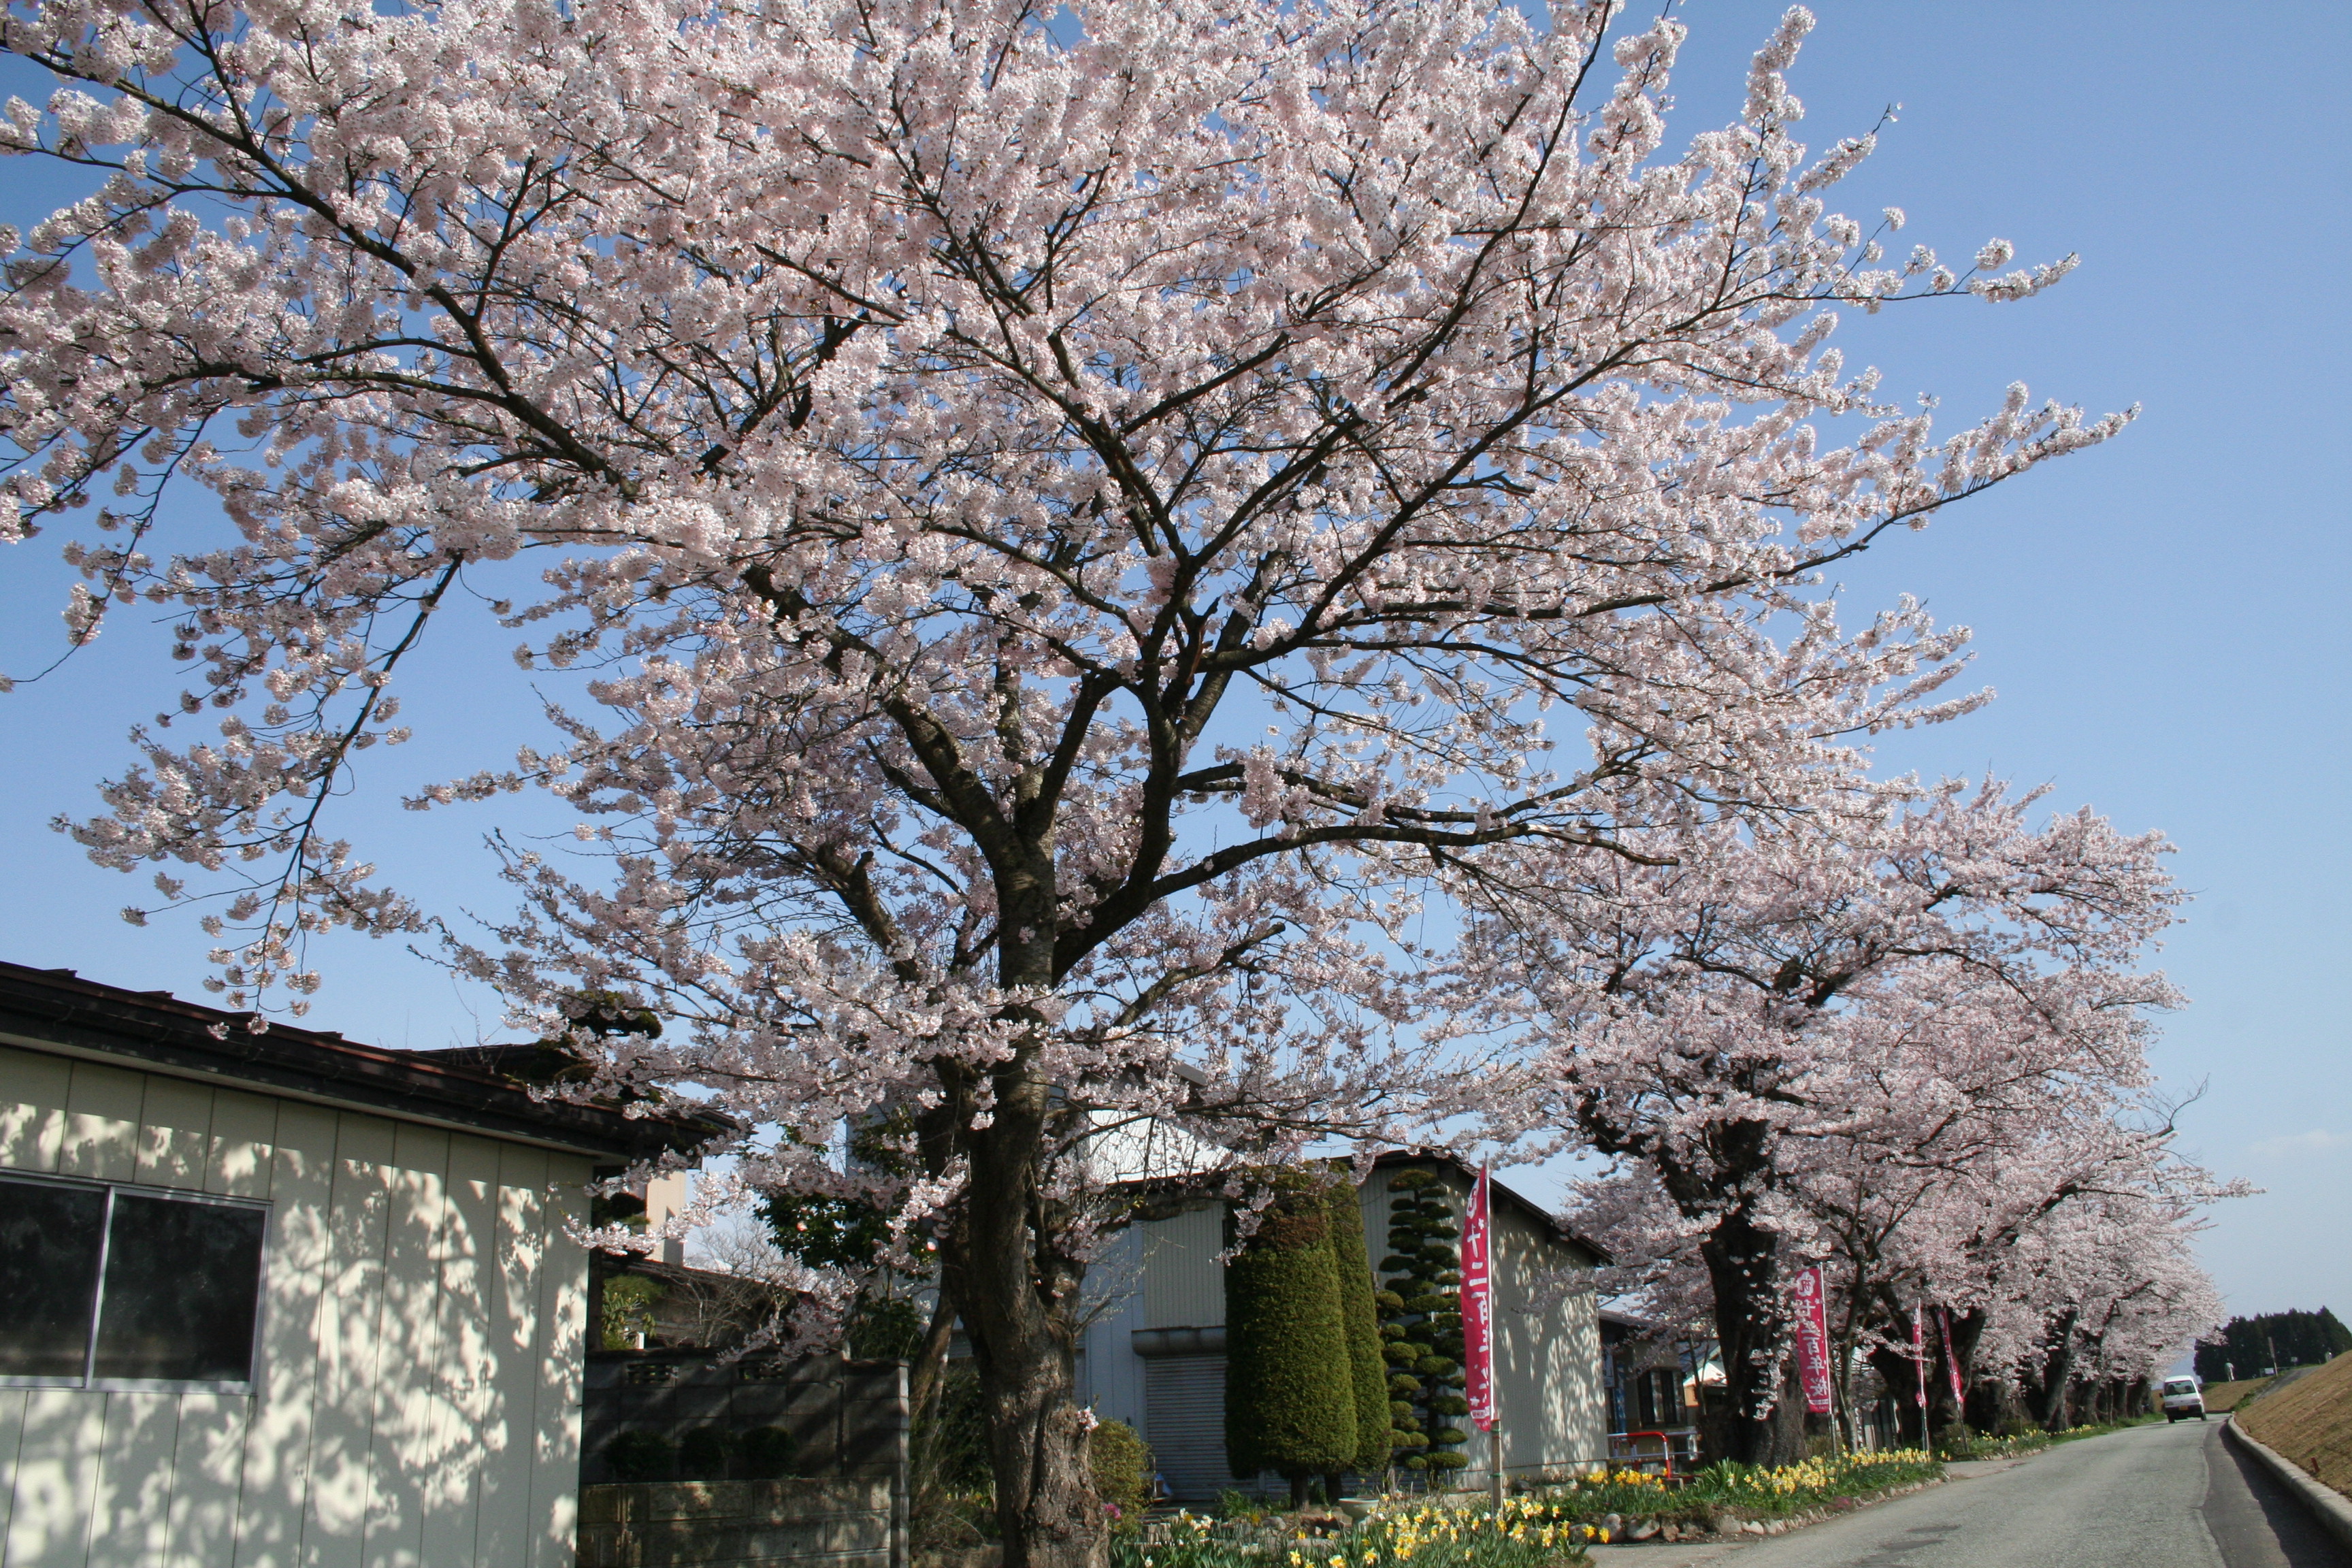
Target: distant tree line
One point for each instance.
(2256, 1345)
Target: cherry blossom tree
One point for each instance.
(1067, 528)
(1995, 1227)
(1764, 1022)
(2007, 1216)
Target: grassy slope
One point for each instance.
(2221, 1397)
(2310, 1421)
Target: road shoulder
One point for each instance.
(2255, 1520)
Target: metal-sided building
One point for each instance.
(1154, 1354)
(281, 1300)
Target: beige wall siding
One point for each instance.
(416, 1398)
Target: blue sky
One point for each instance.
(2161, 617)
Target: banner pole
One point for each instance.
(1478, 1330)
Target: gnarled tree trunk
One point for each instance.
(1762, 1425)
(1017, 1290)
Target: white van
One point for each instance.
(2181, 1399)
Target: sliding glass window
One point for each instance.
(110, 1286)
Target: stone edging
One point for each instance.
(2335, 1514)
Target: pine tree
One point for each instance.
(1290, 1402)
(1422, 1327)
(1361, 1320)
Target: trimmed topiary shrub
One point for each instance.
(764, 1454)
(1290, 1401)
(1422, 1323)
(1362, 1319)
(640, 1457)
(705, 1454)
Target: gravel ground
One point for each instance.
(2153, 1496)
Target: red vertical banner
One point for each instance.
(1811, 1300)
(1478, 1308)
(1951, 1356)
(1919, 1350)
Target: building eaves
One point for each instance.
(58, 1012)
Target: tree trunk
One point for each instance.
(2058, 1371)
(1751, 1335)
(1900, 1374)
(925, 1380)
(1958, 1355)
(1016, 1290)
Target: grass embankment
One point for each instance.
(2223, 1397)
(1545, 1529)
(2310, 1422)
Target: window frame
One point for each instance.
(90, 1383)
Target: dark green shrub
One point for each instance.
(627, 1307)
(1422, 1323)
(1291, 1400)
(1121, 1467)
(1362, 1319)
(705, 1454)
(887, 1329)
(640, 1457)
(764, 1454)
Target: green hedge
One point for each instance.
(1362, 1319)
(1290, 1402)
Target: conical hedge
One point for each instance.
(1363, 1325)
(1290, 1402)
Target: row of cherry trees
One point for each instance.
(1906, 1044)
(1070, 557)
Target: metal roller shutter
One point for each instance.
(1185, 1417)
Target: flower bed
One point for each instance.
(1749, 1490)
(1461, 1533)
(1540, 1529)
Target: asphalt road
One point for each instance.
(2153, 1496)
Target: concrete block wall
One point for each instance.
(844, 1521)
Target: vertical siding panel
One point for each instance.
(466, 1260)
(130, 1507)
(101, 1137)
(176, 1133)
(207, 1469)
(33, 1109)
(403, 1425)
(12, 1427)
(1183, 1284)
(503, 1519)
(563, 1322)
(349, 1333)
(244, 1133)
(57, 1474)
(1112, 1373)
(273, 1487)
(1588, 1408)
